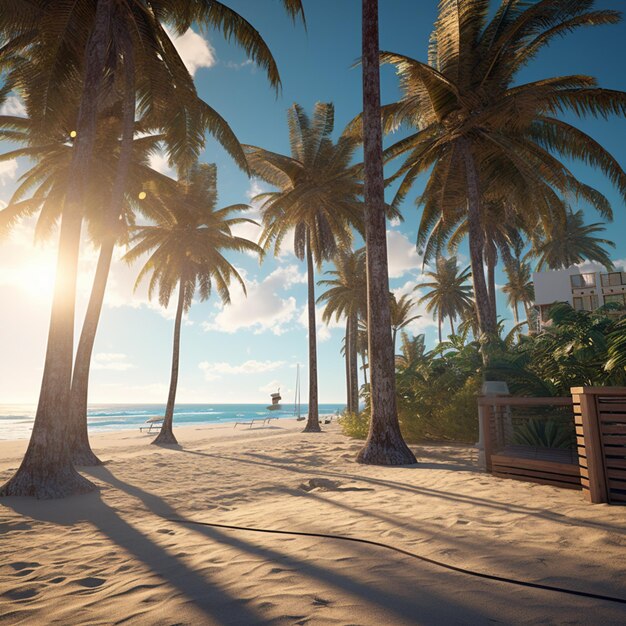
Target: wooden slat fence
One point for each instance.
(600, 416)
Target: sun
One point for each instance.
(37, 275)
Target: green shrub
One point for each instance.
(354, 425)
(548, 433)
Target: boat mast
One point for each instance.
(296, 402)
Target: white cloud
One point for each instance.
(265, 308)
(8, 171)
(111, 361)
(214, 371)
(620, 264)
(238, 66)
(402, 255)
(13, 106)
(158, 162)
(323, 330)
(194, 50)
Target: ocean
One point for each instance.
(16, 421)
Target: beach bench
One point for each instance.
(153, 422)
(265, 421)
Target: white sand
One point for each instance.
(112, 557)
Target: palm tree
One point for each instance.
(572, 243)
(318, 200)
(400, 315)
(384, 445)
(186, 252)
(485, 136)
(346, 296)
(519, 287)
(449, 294)
(48, 179)
(46, 45)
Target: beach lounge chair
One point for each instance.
(151, 423)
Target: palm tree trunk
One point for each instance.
(515, 312)
(451, 325)
(78, 437)
(81, 451)
(439, 324)
(312, 423)
(491, 258)
(346, 346)
(47, 470)
(364, 367)
(354, 370)
(476, 243)
(166, 434)
(384, 445)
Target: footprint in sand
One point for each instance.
(91, 582)
(21, 565)
(166, 531)
(321, 602)
(21, 593)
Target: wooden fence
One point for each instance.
(600, 415)
(597, 462)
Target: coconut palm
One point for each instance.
(519, 287)
(47, 182)
(46, 46)
(449, 294)
(186, 249)
(318, 200)
(482, 134)
(346, 296)
(384, 444)
(571, 243)
(401, 317)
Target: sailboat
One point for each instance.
(296, 402)
(276, 398)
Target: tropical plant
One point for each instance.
(571, 243)
(449, 294)
(384, 445)
(485, 136)
(318, 200)
(52, 51)
(519, 287)
(346, 296)
(401, 309)
(545, 433)
(186, 249)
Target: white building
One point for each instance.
(585, 288)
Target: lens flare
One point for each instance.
(73, 134)
(142, 195)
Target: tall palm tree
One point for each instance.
(186, 251)
(384, 444)
(346, 296)
(449, 294)
(46, 45)
(519, 287)
(48, 180)
(318, 200)
(482, 134)
(571, 243)
(401, 317)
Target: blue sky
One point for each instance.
(241, 353)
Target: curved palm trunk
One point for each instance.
(439, 325)
(491, 260)
(476, 243)
(516, 312)
(384, 445)
(312, 423)
(81, 451)
(354, 368)
(166, 434)
(348, 377)
(451, 325)
(47, 470)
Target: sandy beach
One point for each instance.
(116, 556)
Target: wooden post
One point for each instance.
(593, 477)
(487, 442)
